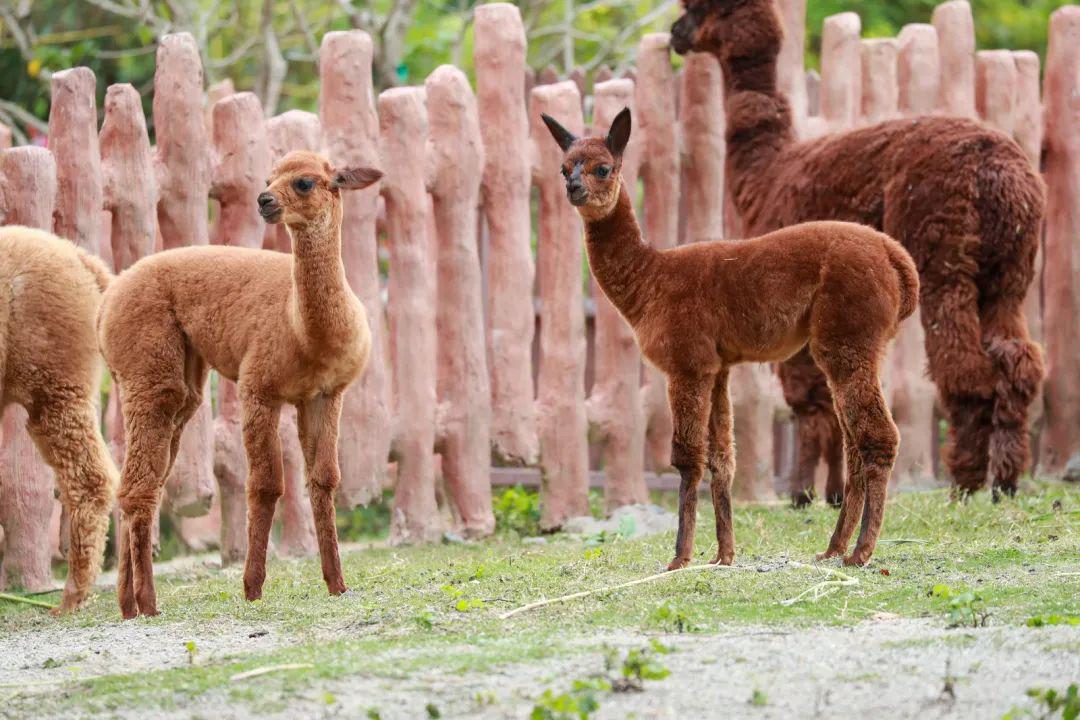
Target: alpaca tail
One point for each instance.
(908, 277)
(102, 276)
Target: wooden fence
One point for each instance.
(485, 349)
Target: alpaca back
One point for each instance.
(51, 294)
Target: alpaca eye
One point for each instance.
(603, 171)
(565, 172)
(303, 184)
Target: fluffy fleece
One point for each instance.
(699, 309)
(961, 197)
(285, 327)
(51, 366)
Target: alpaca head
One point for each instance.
(304, 189)
(728, 28)
(591, 165)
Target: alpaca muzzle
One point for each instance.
(682, 34)
(269, 208)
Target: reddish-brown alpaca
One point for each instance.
(699, 309)
(285, 327)
(962, 198)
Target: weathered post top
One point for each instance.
(73, 139)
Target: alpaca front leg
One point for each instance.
(690, 400)
(265, 485)
(722, 467)
(317, 425)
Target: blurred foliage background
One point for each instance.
(271, 46)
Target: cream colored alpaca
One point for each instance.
(49, 364)
(286, 328)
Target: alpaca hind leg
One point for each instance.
(874, 444)
(722, 467)
(317, 424)
(149, 419)
(1020, 371)
(834, 457)
(66, 430)
(265, 484)
(690, 398)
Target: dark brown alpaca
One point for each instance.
(286, 328)
(699, 309)
(962, 198)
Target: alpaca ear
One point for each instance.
(355, 178)
(619, 134)
(564, 137)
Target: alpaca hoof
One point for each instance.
(338, 590)
(723, 559)
(827, 554)
(1002, 491)
(801, 500)
(253, 594)
(835, 499)
(678, 563)
(856, 559)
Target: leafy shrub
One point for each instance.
(964, 609)
(518, 510)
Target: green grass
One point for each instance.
(405, 613)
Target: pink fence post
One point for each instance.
(27, 197)
(5, 137)
(218, 91)
(841, 70)
(995, 89)
(73, 139)
(291, 130)
(455, 162)
(242, 164)
(918, 69)
(561, 385)
(1061, 279)
(956, 42)
(351, 131)
(183, 174)
(656, 123)
(499, 55)
(1028, 131)
(880, 94)
(910, 392)
(614, 407)
(411, 307)
(129, 184)
(790, 66)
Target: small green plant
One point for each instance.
(758, 698)
(965, 609)
(190, 647)
(620, 675)
(1047, 620)
(638, 666)
(373, 714)
(51, 663)
(1050, 703)
(433, 711)
(462, 603)
(578, 704)
(518, 510)
(667, 615)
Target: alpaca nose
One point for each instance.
(265, 199)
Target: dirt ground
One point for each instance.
(895, 668)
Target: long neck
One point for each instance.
(620, 259)
(320, 287)
(759, 122)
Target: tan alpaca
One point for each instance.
(49, 364)
(286, 328)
